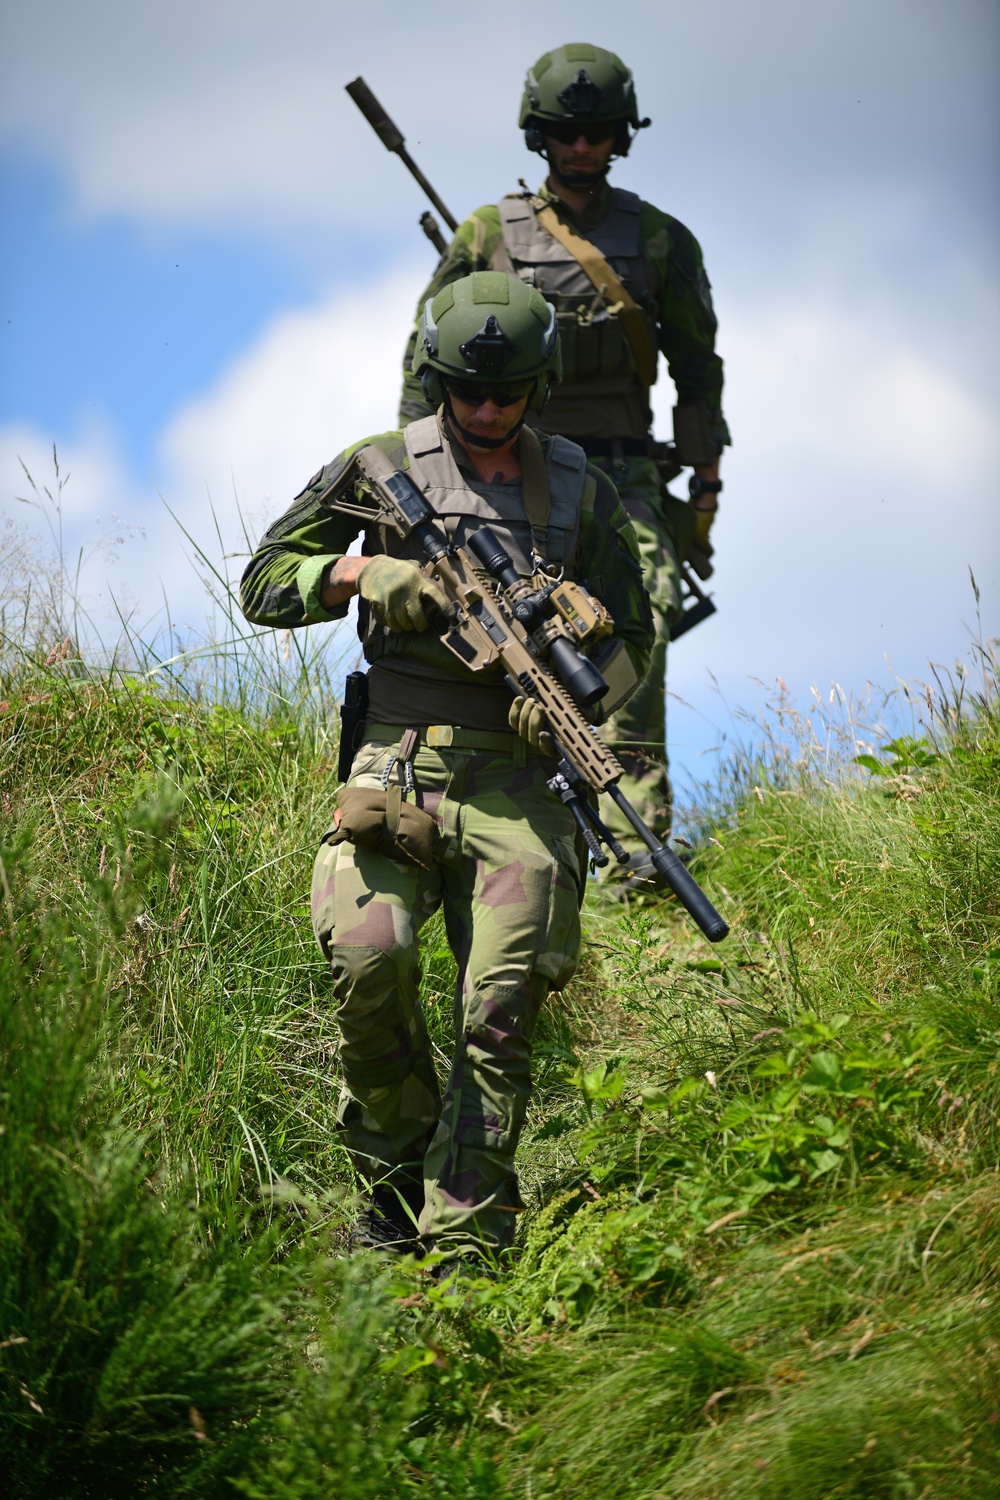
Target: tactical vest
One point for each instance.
(443, 690)
(600, 394)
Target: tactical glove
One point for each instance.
(527, 718)
(399, 593)
(702, 526)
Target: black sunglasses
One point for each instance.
(569, 131)
(474, 394)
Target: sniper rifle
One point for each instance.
(527, 631)
(393, 140)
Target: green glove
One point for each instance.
(399, 593)
(527, 718)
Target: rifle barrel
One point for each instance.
(393, 140)
(679, 879)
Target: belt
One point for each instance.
(450, 737)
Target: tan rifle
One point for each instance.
(501, 621)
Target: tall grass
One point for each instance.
(760, 1254)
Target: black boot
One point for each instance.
(384, 1224)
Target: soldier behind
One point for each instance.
(578, 111)
(505, 866)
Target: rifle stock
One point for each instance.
(483, 631)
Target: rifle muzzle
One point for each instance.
(387, 131)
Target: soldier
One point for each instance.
(505, 866)
(625, 280)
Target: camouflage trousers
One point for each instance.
(507, 874)
(638, 732)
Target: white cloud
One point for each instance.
(313, 381)
(72, 516)
(235, 111)
(863, 485)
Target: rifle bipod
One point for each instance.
(593, 830)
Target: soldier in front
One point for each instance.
(504, 865)
(626, 281)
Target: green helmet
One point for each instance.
(490, 329)
(579, 82)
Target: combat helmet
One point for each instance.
(489, 329)
(579, 82)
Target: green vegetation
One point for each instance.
(761, 1257)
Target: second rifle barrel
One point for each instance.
(393, 139)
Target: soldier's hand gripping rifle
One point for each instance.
(520, 627)
(393, 140)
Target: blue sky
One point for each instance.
(113, 317)
(209, 264)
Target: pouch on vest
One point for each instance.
(381, 821)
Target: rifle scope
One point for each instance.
(579, 676)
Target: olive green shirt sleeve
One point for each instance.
(475, 242)
(686, 316)
(282, 582)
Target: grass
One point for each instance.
(760, 1258)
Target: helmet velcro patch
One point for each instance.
(539, 306)
(490, 286)
(444, 301)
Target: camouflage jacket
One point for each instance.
(682, 310)
(283, 580)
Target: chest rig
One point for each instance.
(539, 518)
(597, 354)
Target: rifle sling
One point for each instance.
(535, 496)
(597, 269)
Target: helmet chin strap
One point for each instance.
(475, 439)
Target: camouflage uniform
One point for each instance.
(506, 871)
(608, 412)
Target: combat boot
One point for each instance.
(384, 1224)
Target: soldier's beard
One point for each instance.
(478, 439)
(578, 179)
